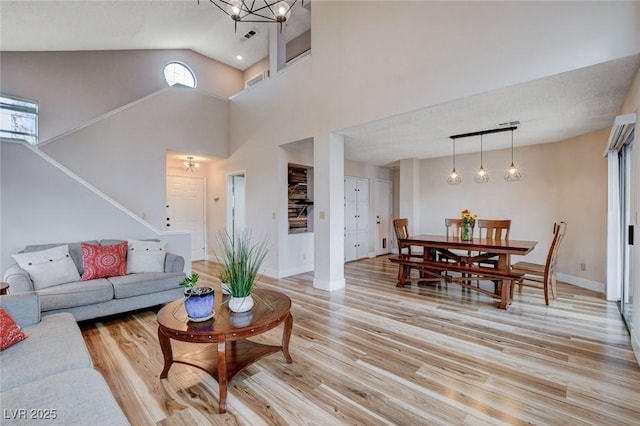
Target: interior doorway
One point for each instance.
(186, 211)
(236, 207)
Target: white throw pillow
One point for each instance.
(146, 256)
(48, 267)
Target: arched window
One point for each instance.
(178, 73)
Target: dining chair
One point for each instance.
(494, 229)
(401, 227)
(542, 276)
(454, 227)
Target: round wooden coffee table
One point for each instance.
(223, 361)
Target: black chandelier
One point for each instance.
(268, 11)
(511, 175)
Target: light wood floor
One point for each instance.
(374, 354)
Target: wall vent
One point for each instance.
(256, 78)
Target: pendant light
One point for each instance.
(482, 176)
(190, 164)
(512, 174)
(454, 177)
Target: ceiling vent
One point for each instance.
(509, 124)
(248, 35)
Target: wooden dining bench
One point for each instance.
(434, 270)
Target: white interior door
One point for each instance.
(383, 217)
(186, 210)
(356, 220)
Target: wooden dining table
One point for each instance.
(451, 254)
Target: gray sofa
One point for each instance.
(103, 296)
(49, 376)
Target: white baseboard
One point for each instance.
(581, 282)
(329, 285)
(301, 269)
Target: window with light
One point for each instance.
(178, 73)
(18, 119)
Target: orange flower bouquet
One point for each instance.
(467, 217)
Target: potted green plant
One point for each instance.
(198, 301)
(224, 280)
(241, 260)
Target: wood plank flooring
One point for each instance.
(374, 354)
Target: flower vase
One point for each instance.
(240, 304)
(466, 231)
(199, 306)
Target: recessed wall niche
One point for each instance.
(300, 198)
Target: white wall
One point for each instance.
(124, 155)
(562, 181)
(374, 60)
(43, 204)
(379, 58)
(75, 87)
(128, 119)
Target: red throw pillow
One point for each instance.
(10, 333)
(104, 261)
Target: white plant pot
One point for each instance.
(240, 304)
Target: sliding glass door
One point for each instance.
(626, 232)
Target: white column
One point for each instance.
(277, 49)
(409, 197)
(328, 159)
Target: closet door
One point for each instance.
(356, 218)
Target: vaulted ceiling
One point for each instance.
(134, 24)
(549, 109)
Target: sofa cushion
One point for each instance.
(48, 267)
(10, 333)
(78, 397)
(54, 345)
(24, 308)
(74, 294)
(138, 284)
(104, 261)
(75, 250)
(146, 256)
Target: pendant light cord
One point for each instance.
(511, 146)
